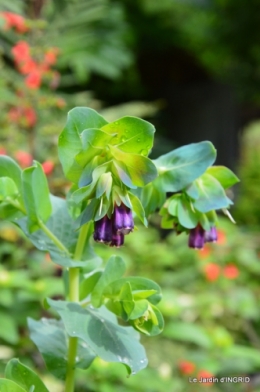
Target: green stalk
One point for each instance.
(74, 297)
(52, 237)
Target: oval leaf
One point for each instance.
(24, 376)
(10, 386)
(36, 195)
(224, 175)
(133, 135)
(180, 167)
(98, 328)
(69, 145)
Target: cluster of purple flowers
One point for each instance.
(112, 230)
(198, 236)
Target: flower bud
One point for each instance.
(197, 237)
(211, 235)
(103, 230)
(117, 240)
(123, 222)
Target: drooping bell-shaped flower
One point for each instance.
(211, 235)
(197, 237)
(117, 240)
(103, 230)
(123, 222)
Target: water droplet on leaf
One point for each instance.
(123, 139)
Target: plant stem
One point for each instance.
(74, 297)
(53, 237)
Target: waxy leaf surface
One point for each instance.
(50, 338)
(132, 134)
(180, 167)
(98, 328)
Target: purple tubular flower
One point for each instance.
(197, 237)
(117, 240)
(123, 222)
(103, 231)
(211, 235)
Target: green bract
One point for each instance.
(105, 161)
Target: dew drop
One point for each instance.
(138, 139)
(143, 152)
(123, 139)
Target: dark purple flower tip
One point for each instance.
(117, 240)
(103, 230)
(123, 219)
(197, 237)
(211, 235)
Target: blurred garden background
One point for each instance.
(192, 68)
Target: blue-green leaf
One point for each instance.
(211, 194)
(63, 227)
(224, 175)
(114, 269)
(180, 167)
(98, 328)
(50, 338)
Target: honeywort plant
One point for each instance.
(113, 183)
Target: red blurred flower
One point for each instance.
(24, 158)
(50, 56)
(33, 80)
(14, 114)
(205, 374)
(48, 167)
(212, 271)
(27, 66)
(60, 103)
(2, 151)
(231, 271)
(21, 51)
(186, 367)
(222, 238)
(205, 252)
(16, 21)
(30, 117)
(24, 116)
